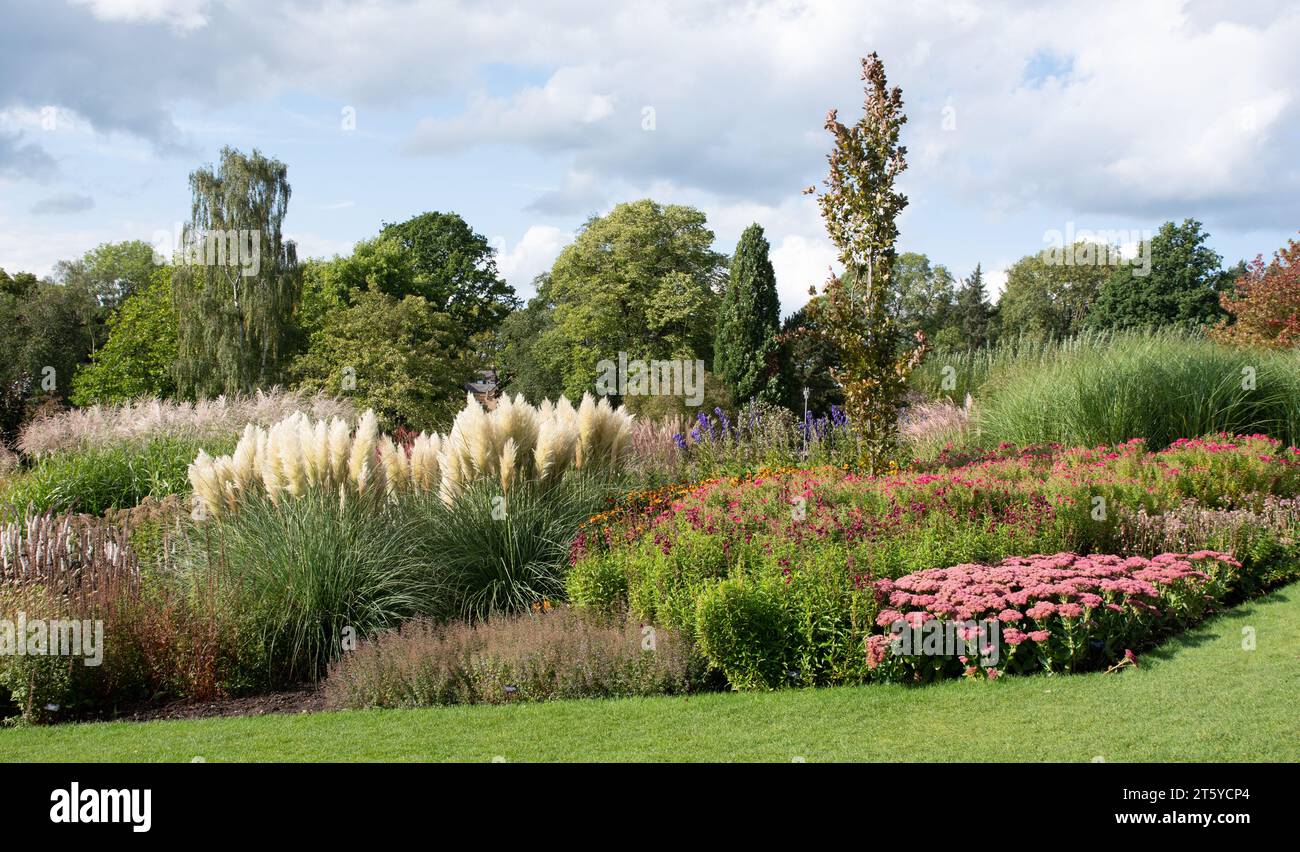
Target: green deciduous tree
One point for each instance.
(397, 356)
(1047, 299)
(1182, 288)
(924, 298)
(235, 318)
(139, 357)
(644, 280)
(745, 349)
(112, 271)
(440, 258)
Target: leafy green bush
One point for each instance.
(535, 657)
(598, 585)
(95, 479)
(746, 630)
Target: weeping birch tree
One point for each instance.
(237, 279)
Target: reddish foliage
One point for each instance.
(1265, 302)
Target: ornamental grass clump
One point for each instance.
(553, 653)
(514, 443)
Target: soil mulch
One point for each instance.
(306, 700)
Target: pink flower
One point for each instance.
(1040, 610)
(1039, 635)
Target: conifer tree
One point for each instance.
(745, 348)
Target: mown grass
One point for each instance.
(1200, 697)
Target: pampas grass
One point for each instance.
(512, 444)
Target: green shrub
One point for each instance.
(541, 656)
(746, 630)
(95, 479)
(598, 585)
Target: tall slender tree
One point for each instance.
(237, 279)
(974, 310)
(861, 207)
(745, 348)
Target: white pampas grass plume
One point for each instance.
(245, 460)
(207, 488)
(340, 445)
(425, 471)
(554, 451)
(508, 461)
(395, 465)
(588, 431)
(361, 461)
(268, 463)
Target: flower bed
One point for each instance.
(773, 576)
(1059, 613)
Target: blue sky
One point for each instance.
(528, 118)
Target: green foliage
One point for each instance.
(1046, 300)
(398, 357)
(808, 359)
(235, 330)
(924, 298)
(529, 356)
(112, 272)
(974, 313)
(745, 348)
(745, 630)
(302, 571)
(438, 257)
(598, 585)
(1182, 288)
(49, 330)
(138, 356)
(98, 478)
(642, 280)
(499, 554)
(1159, 387)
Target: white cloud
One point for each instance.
(179, 14)
(532, 255)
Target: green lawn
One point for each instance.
(1200, 697)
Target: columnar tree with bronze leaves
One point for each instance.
(861, 207)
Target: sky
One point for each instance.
(527, 118)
